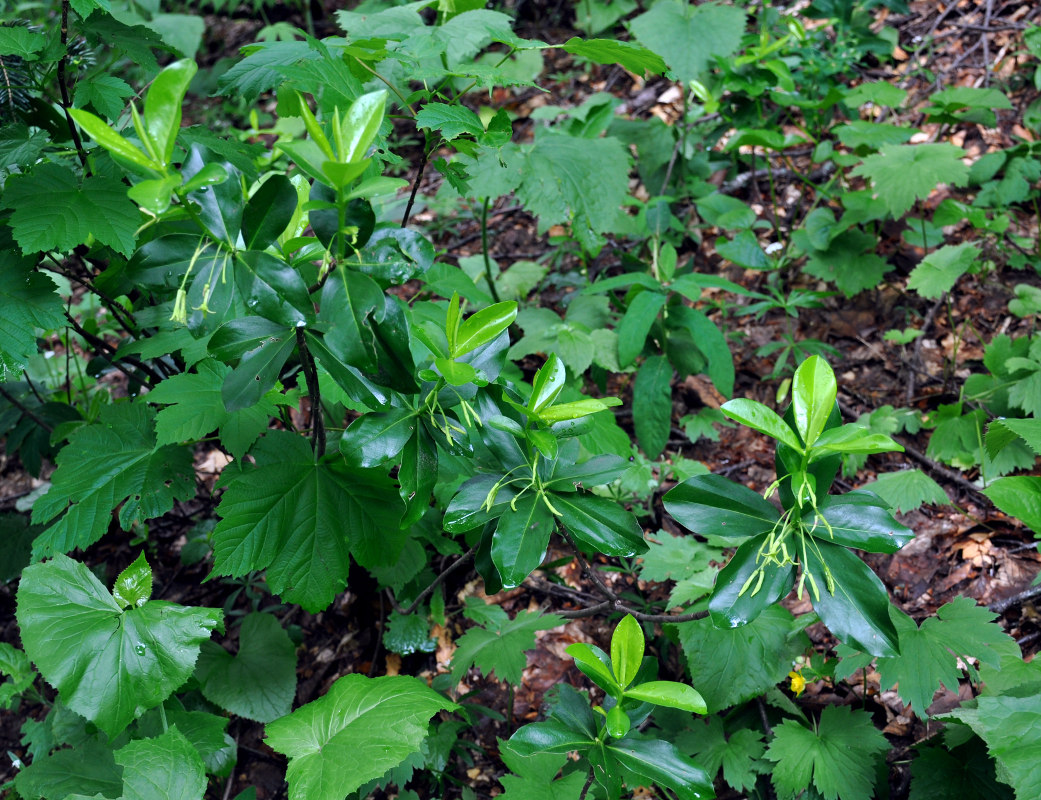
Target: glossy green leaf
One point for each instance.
(127, 154)
(268, 212)
(857, 613)
(548, 383)
(234, 339)
(358, 730)
(852, 438)
(258, 371)
(552, 736)
(259, 682)
(716, 506)
(652, 405)
(109, 665)
(163, 106)
(133, 587)
(417, 475)
(455, 373)
(591, 661)
(521, 539)
(731, 607)
(732, 665)
(578, 409)
(813, 396)
(350, 300)
(350, 379)
(376, 438)
(618, 722)
(636, 324)
(360, 125)
(483, 327)
(662, 763)
(858, 519)
(760, 418)
(475, 504)
(627, 650)
(669, 694)
(272, 289)
(600, 524)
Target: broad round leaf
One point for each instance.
(360, 729)
(108, 664)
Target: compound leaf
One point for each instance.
(109, 665)
(499, 646)
(30, 302)
(113, 461)
(903, 173)
(940, 270)
(908, 489)
(360, 729)
(839, 756)
(301, 520)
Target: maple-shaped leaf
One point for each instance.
(903, 173)
(556, 185)
(53, 209)
(740, 756)
(930, 654)
(908, 489)
(195, 407)
(106, 93)
(30, 302)
(499, 646)
(361, 728)
(109, 664)
(534, 774)
(114, 460)
(682, 559)
(839, 757)
(301, 520)
(964, 773)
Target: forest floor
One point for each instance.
(965, 548)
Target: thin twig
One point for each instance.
(66, 103)
(151, 377)
(415, 187)
(313, 393)
(26, 410)
(423, 595)
(1002, 606)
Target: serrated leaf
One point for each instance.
(764, 649)
(652, 405)
(88, 768)
(54, 210)
(106, 93)
(630, 55)
(903, 173)
(167, 766)
(115, 460)
(740, 756)
(109, 665)
(195, 407)
(30, 302)
(964, 773)
(259, 682)
(499, 647)
(301, 520)
(1020, 497)
(452, 121)
(361, 728)
(839, 756)
(688, 37)
(908, 489)
(930, 654)
(21, 42)
(133, 587)
(554, 184)
(940, 270)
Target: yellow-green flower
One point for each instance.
(798, 683)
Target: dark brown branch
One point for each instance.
(415, 187)
(313, 393)
(423, 595)
(63, 86)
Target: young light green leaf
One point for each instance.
(906, 490)
(903, 173)
(133, 587)
(122, 150)
(761, 418)
(940, 270)
(839, 757)
(669, 694)
(360, 729)
(109, 665)
(163, 106)
(259, 682)
(361, 124)
(813, 397)
(578, 409)
(548, 383)
(618, 722)
(483, 327)
(591, 662)
(627, 650)
(629, 55)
